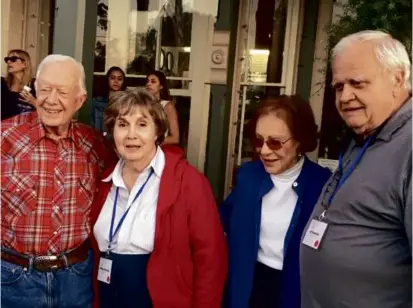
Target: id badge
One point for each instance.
(315, 233)
(105, 269)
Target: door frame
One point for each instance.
(294, 24)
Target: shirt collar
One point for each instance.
(397, 120)
(37, 132)
(157, 164)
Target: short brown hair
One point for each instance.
(123, 102)
(298, 116)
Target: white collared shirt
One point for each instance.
(136, 234)
(278, 206)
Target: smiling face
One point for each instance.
(58, 94)
(365, 92)
(135, 136)
(271, 127)
(153, 85)
(116, 81)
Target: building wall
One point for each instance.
(13, 27)
(26, 25)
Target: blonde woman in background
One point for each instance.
(17, 88)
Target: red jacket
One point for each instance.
(188, 266)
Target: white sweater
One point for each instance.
(277, 210)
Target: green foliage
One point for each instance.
(391, 16)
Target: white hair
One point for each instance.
(63, 58)
(390, 53)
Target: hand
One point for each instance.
(27, 97)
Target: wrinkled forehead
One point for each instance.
(60, 74)
(358, 54)
(355, 61)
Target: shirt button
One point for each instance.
(17, 189)
(295, 184)
(54, 233)
(58, 182)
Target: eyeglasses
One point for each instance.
(272, 144)
(12, 59)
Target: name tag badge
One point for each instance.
(105, 269)
(314, 234)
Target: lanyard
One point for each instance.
(122, 219)
(349, 170)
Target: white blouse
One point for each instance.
(136, 234)
(278, 206)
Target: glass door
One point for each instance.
(173, 36)
(267, 56)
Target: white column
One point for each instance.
(67, 39)
(292, 44)
(201, 46)
(318, 78)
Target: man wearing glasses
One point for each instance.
(356, 249)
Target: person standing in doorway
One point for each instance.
(357, 248)
(156, 84)
(50, 165)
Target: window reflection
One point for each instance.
(265, 41)
(141, 35)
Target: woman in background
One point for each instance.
(156, 84)
(17, 91)
(115, 81)
(266, 212)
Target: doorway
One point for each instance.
(268, 44)
(171, 36)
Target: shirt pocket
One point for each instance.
(142, 234)
(85, 193)
(19, 195)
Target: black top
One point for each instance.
(11, 105)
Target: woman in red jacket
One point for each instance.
(158, 240)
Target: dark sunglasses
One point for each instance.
(272, 144)
(12, 59)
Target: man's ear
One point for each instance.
(80, 101)
(399, 78)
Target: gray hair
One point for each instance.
(63, 58)
(390, 53)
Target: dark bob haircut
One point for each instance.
(298, 116)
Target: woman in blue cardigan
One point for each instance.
(266, 212)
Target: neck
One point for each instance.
(137, 166)
(57, 132)
(17, 78)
